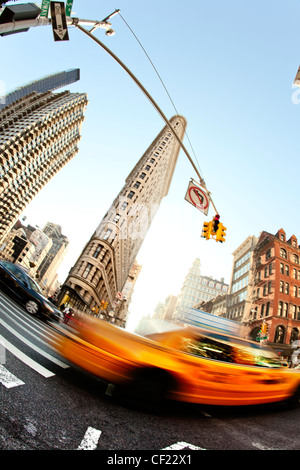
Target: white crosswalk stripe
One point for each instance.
(9, 380)
(32, 333)
(27, 360)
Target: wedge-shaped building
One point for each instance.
(98, 277)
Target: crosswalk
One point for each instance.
(18, 329)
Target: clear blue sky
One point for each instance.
(229, 68)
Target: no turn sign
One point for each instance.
(197, 197)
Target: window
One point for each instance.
(294, 335)
(280, 308)
(270, 268)
(265, 289)
(283, 253)
(117, 218)
(287, 288)
(281, 286)
(87, 270)
(137, 184)
(269, 287)
(124, 205)
(287, 270)
(279, 334)
(295, 291)
(281, 268)
(97, 251)
(295, 273)
(294, 311)
(130, 194)
(208, 348)
(107, 234)
(296, 259)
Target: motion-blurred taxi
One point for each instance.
(187, 364)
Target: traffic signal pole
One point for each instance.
(15, 26)
(76, 22)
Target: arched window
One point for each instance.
(279, 334)
(296, 259)
(294, 335)
(283, 253)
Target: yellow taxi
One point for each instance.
(187, 364)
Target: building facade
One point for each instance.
(275, 296)
(238, 300)
(197, 289)
(47, 83)
(53, 259)
(102, 269)
(39, 134)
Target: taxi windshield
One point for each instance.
(222, 348)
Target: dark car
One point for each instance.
(19, 285)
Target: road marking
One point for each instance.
(27, 360)
(262, 447)
(90, 440)
(182, 445)
(33, 346)
(9, 380)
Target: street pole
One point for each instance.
(16, 26)
(76, 22)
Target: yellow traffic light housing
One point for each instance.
(206, 230)
(220, 233)
(264, 328)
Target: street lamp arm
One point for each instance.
(76, 23)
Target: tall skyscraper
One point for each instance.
(101, 271)
(47, 83)
(39, 134)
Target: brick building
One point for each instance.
(275, 296)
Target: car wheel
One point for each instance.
(149, 389)
(32, 307)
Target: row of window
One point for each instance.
(285, 288)
(284, 308)
(284, 254)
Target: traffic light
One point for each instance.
(220, 234)
(206, 230)
(264, 328)
(215, 223)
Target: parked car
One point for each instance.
(187, 364)
(20, 286)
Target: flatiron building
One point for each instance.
(102, 269)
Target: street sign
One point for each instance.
(69, 5)
(59, 23)
(197, 197)
(45, 8)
